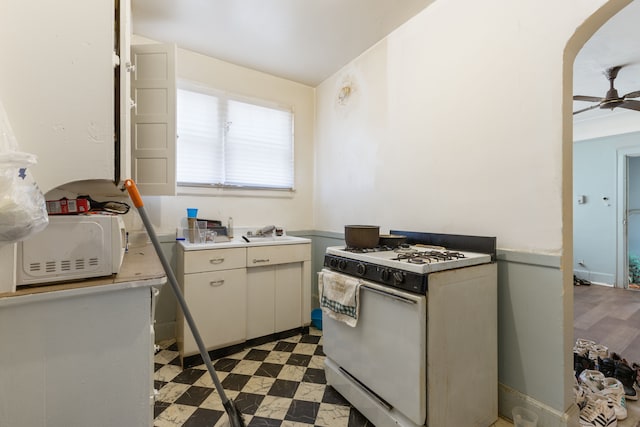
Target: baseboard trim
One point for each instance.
(509, 398)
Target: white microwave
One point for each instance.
(72, 247)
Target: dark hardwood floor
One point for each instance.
(608, 316)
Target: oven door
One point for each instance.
(386, 351)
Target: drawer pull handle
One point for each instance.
(216, 260)
(216, 283)
(255, 261)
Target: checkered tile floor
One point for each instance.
(280, 383)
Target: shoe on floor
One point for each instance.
(582, 362)
(579, 393)
(636, 367)
(582, 343)
(607, 366)
(627, 377)
(598, 351)
(580, 282)
(592, 380)
(598, 413)
(614, 390)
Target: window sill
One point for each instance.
(235, 192)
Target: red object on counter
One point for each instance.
(66, 206)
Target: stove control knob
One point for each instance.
(398, 277)
(385, 274)
(342, 264)
(361, 269)
(333, 262)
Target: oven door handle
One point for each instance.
(390, 295)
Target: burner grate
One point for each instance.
(423, 257)
(383, 248)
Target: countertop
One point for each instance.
(140, 267)
(239, 242)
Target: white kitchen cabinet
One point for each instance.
(276, 283)
(242, 292)
(60, 63)
(80, 353)
(214, 285)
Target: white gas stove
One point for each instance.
(422, 307)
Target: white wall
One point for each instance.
(455, 125)
(460, 122)
(595, 228)
(607, 123)
(248, 208)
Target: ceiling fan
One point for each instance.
(612, 99)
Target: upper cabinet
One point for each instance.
(71, 84)
(64, 84)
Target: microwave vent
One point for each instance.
(50, 266)
(64, 265)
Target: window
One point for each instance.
(226, 141)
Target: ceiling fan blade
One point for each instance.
(586, 98)
(632, 94)
(630, 105)
(587, 109)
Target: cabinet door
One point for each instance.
(153, 120)
(57, 85)
(288, 296)
(123, 96)
(260, 301)
(217, 301)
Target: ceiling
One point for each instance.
(303, 41)
(617, 42)
(308, 41)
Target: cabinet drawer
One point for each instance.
(214, 260)
(278, 254)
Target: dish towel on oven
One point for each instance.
(339, 297)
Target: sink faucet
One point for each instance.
(267, 230)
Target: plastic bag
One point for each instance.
(23, 209)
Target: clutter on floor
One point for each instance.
(604, 384)
(580, 282)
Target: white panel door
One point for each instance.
(153, 119)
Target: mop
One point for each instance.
(235, 417)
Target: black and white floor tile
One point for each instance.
(280, 383)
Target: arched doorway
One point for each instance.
(596, 182)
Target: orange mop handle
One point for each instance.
(134, 194)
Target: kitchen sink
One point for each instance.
(238, 242)
(271, 238)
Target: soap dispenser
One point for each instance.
(230, 228)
